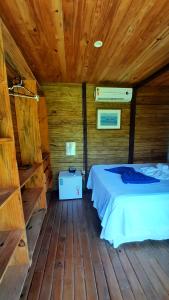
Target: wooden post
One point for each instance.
(132, 128)
(84, 115)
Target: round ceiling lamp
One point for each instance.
(98, 44)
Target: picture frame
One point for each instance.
(108, 118)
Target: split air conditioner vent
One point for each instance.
(109, 94)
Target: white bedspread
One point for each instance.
(129, 212)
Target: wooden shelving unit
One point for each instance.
(25, 175)
(22, 191)
(8, 243)
(47, 170)
(6, 194)
(30, 197)
(15, 275)
(33, 230)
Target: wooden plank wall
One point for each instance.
(64, 102)
(106, 146)
(152, 124)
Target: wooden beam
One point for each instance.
(84, 117)
(132, 128)
(14, 57)
(152, 77)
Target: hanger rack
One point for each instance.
(36, 97)
(32, 96)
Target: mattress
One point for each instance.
(129, 212)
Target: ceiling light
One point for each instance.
(98, 44)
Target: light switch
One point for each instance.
(70, 148)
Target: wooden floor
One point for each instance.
(71, 262)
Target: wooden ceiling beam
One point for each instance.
(150, 78)
(16, 63)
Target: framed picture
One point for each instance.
(108, 118)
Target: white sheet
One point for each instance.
(159, 171)
(129, 212)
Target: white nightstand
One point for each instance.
(70, 185)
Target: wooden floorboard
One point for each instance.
(141, 275)
(58, 276)
(109, 288)
(79, 274)
(40, 268)
(46, 288)
(68, 283)
(90, 283)
(28, 281)
(71, 262)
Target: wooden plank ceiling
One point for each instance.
(57, 36)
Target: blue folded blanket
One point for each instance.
(129, 175)
(120, 170)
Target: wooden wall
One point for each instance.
(64, 102)
(106, 146)
(152, 124)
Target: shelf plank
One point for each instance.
(13, 282)
(33, 230)
(29, 199)
(8, 243)
(25, 175)
(6, 194)
(5, 140)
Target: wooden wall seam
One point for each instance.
(132, 128)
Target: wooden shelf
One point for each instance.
(25, 175)
(6, 195)
(13, 282)
(33, 229)
(8, 243)
(30, 198)
(5, 140)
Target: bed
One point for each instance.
(129, 212)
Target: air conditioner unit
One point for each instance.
(111, 94)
